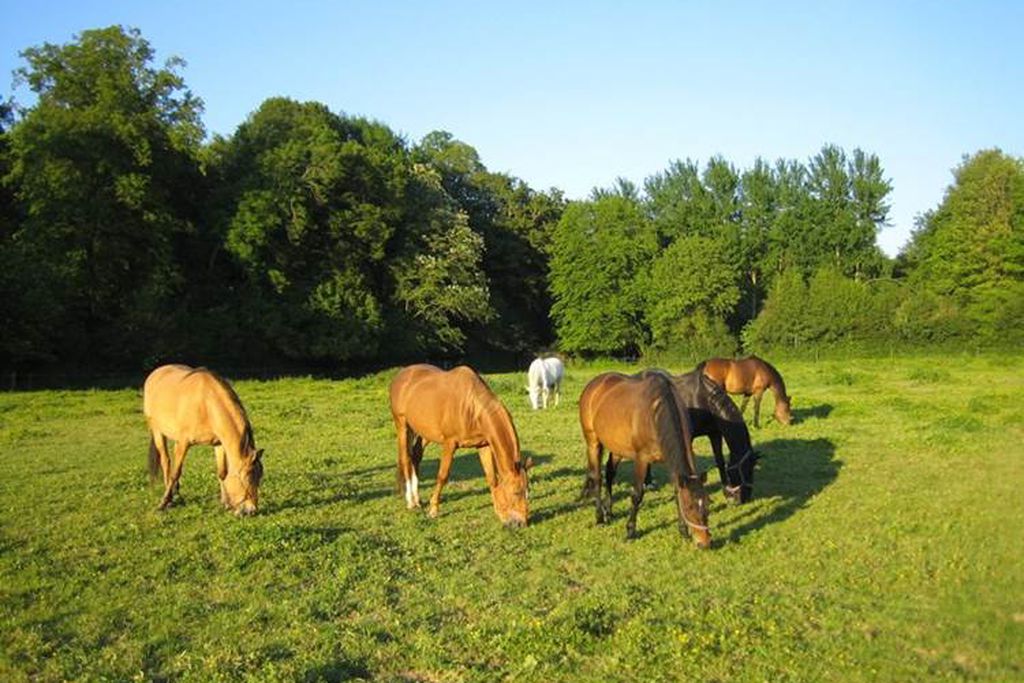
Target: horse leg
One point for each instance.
(416, 457)
(222, 472)
(447, 455)
(640, 468)
(757, 408)
(716, 449)
(544, 392)
(593, 484)
(743, 405)
(159, 443)
(180, 449)
(405, 471)
(610, 468)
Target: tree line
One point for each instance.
(309, 236)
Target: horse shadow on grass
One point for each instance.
(791, 471)
(818, 412)
(329, 486)
(466, 467)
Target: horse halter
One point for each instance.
(693, 525)
(739, 470)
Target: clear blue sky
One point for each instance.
(574, 94)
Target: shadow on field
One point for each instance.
(335, 672)
(792, 471)
(819, 412)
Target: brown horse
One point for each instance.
(457, 410)
(197, 406)
(750, 376)
(640, 417)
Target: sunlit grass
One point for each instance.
(884, 543)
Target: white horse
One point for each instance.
(545, 377)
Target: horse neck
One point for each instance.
(230, 414)
(727, 416)
(775, 381)
(497, 427)
(669, 431)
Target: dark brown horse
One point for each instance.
(197, 406)
(714, 415)
(457, 410)
(640, 417)
(750, 376)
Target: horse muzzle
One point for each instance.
(515, 522)
(246, 509)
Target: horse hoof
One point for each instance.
(631, 534)
(433, 512)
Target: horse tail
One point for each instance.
(154, 459)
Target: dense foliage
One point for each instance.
(311, 236)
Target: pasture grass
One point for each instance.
(884, 543)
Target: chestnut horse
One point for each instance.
(197, 406)
(640, 417)
(750, 376)
(457, 410)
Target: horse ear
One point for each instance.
(259, 455)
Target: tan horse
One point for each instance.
(457, 410)
(197, 406)
(750, 376)
(641, 417)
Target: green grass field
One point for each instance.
(884, 543)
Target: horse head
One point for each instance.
(740, 485)
(695, 505)
(511, 495)
(240, 488)
(782, 409)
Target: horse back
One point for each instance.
(553, 370)
(619, 411)
(193, 405)
(441, 405)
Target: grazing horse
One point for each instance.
(750, 376)
(640, 417)
(457, 410)
(197, 406)
(545, 377)
(713, 415)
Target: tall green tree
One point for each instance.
(105, 172)
(598, 250)
(689, 290)
(971, 248)
(515, 223)
(759, 205)
(346, 242)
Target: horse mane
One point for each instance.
(248, 438)
(669, 429)
(729, 416)
(722, 406)
(776, 376)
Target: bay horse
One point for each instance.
(640, 417)
(545, 378)
(457, 409)
(714, 415)
(750, 376)
(197, 406)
